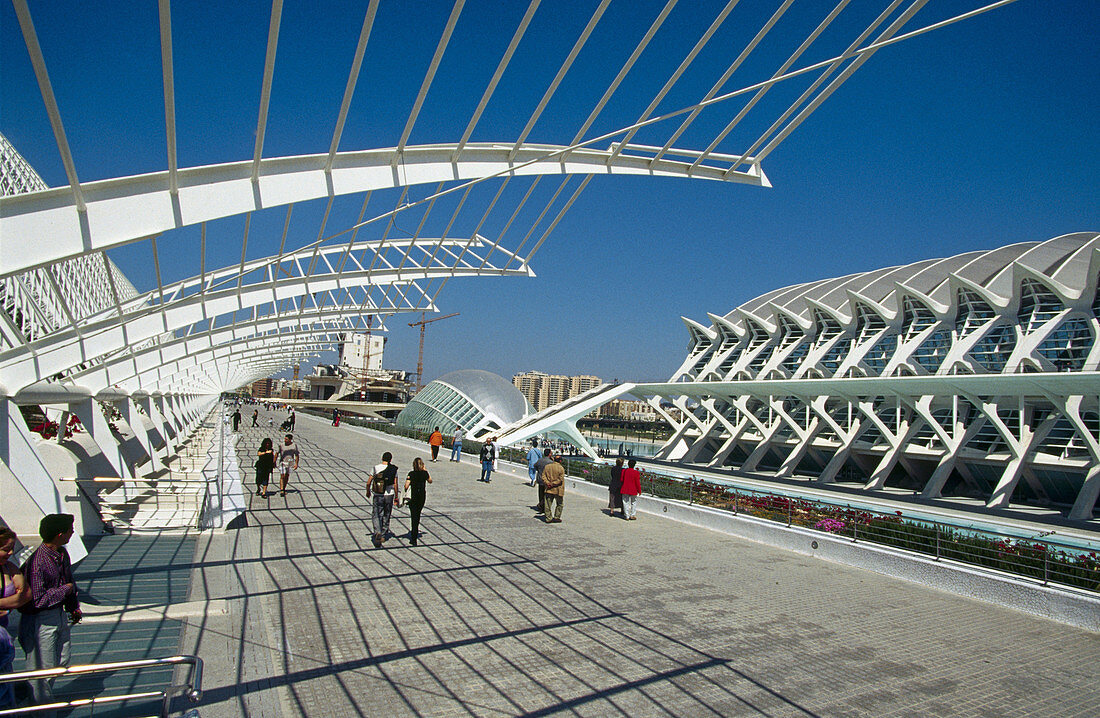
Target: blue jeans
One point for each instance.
(45, 639)
(456, 451)
(533, 474)
(7, 655)
(486, 470)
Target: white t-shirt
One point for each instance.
(379, 468)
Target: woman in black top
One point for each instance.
(418, 478)
(265, 464)
(614, 489)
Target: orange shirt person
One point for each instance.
(435, 441)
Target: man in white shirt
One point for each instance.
(382, 489)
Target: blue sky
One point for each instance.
(974, 136)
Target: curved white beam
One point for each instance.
(125, 369)
(194, 371)
(67, 349)
(130, 208)
(155, 366)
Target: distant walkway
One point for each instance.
(499, 614)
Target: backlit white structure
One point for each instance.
(479, 401)
(974, 376)
(210, 307)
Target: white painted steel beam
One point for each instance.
(66, 349)
(131, 208)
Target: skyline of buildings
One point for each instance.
(543, 390)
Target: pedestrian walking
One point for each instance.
(265, 466)
(336, 417)
(540, 467)
(236, 419)
(290, 420)
(435, 441)
(533, 456)
(614, 489)
(287, 459)
(488, 458)
(553, 479)
(14, 592)
(255, 416)
(382, 490)
(456, 446)
(44, 624)
(631, 487)
(417, 479)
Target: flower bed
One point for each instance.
(1042, 560)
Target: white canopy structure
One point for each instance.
(974, 377)
(213, 307)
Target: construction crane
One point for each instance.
(420, 354)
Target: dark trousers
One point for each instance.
(383, 507)
(416, 505)
(435, 452)
(542, 497)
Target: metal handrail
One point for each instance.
(120, 480)
(192, 687)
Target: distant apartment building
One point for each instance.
(290, 388)
(262, 389)
(361, 354)
(544, 390)
(581, 384)
(624, 409)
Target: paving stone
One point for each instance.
(497, 613)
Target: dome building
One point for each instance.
(479, 401)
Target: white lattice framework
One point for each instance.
(86, 218)
(775, 386)
(73, 330)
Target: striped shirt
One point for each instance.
(49, 574)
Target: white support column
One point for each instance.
(1085, 502)
(855, 426)
(22, 471)
(907, 429)
(155, 418)
(138, 425)
(95, 423)
(735, 433)
(952, 443)
(1090, 488)
(166, 406)
(164, 422)
(1018, 446)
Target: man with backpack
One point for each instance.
(382, 488)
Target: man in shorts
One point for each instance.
(288, 461)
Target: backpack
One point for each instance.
(378, 481)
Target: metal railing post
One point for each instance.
(221, 460)
(691, 490)
(937, 540)
(789, 512)
(1046, 564)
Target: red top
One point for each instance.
(632, 482)
(436, 439)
